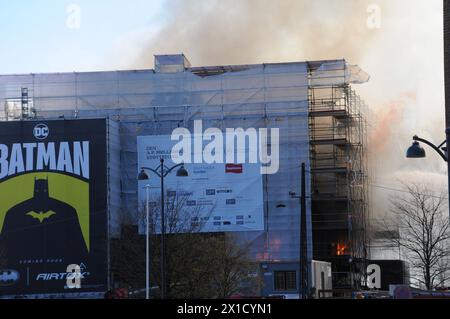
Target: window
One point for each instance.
(285, 280)
(341, 249)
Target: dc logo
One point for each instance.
(41, 131)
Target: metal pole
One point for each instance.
(163, 235)
(303, 237)
(147, 253)
(446, 6)
(447, 61)
(447, 134)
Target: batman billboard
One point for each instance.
(53, 207)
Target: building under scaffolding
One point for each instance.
(321, 122)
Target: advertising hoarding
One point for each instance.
(227, 196)
(53, 206)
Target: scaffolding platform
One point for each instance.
(338, 142)
(341, 114)
(335, 170)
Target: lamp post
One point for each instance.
(417, 151)
(304, 268)
(147, 242)
(162, 171)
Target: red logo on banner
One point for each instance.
(234, 168)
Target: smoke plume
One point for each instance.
(256, 31)
(403, 53)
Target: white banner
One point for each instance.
(227, 197)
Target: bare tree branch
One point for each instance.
(423, 229)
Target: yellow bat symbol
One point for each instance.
(41, 216)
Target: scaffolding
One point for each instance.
(20, 108)
(320, 118)
(339, 179)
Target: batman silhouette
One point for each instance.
(43, 228)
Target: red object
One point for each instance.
(234, 168)
(119, 293)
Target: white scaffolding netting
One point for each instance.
(154, 103)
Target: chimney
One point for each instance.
(171, 63)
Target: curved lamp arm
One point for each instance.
(152, 170)
(172, 168)
(436, 148)
(167, 170)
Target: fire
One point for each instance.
(341, 249)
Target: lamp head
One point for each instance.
(415, 151)
(143, 176)
(182, 172)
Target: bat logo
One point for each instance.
(8, 277)
(41, 216)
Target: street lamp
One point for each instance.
(416, 151)
(161, 171)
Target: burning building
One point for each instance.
(320, 120)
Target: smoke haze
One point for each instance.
(404, 58)
(256, 31)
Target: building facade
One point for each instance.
(320, 119)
